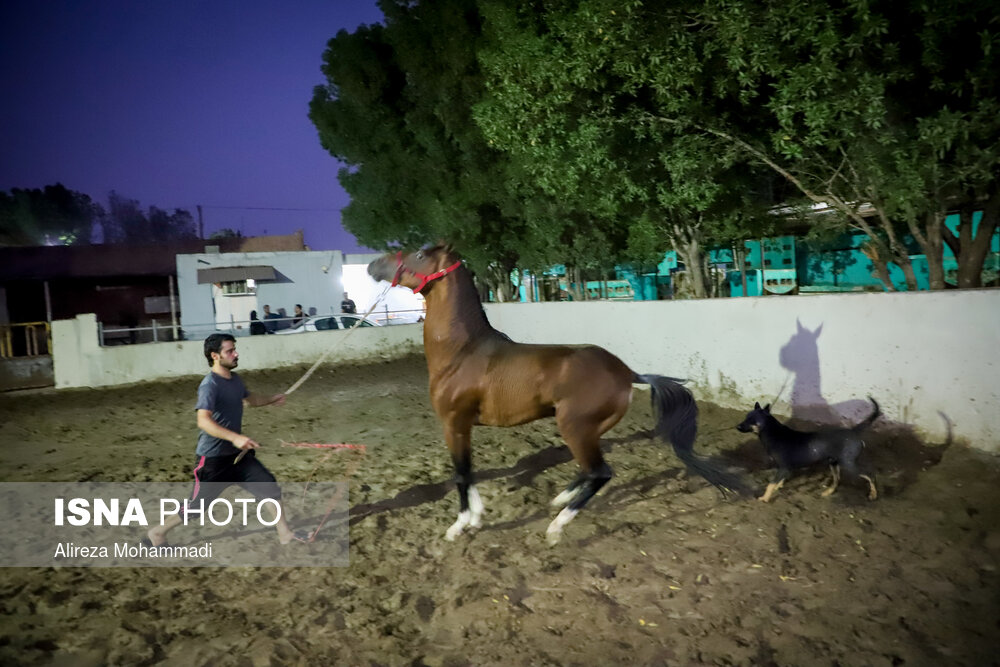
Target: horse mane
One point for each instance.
(470, 307)
(466, 293)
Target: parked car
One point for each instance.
(398, 317)
(328, 322)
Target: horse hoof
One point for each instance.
(451, 534)
(554, 532)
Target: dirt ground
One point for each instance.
(658, 570)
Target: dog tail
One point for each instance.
(876, 413)
(677, 421)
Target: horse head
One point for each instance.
(416, 269)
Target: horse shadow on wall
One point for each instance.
(800, 357)
(897, 451)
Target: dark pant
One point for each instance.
(213, 474)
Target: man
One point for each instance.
(298, 317)
(221, 397)
(257, 327)
(269, 318)
(347, 305)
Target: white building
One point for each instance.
(218, 291)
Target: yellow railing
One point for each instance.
(37, 339)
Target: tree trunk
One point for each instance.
(903, 260)
(876, 253)
(933, 247)
(970, 252)
(740, 259)
(692, 256)
(575, 287)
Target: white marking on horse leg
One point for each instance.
(565, 497)
(471, 517)
(459, 525)
(554, 532)
(475, 507)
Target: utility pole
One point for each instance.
(201, 224)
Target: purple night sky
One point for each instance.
(177, 104)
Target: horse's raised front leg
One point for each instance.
(470, 506)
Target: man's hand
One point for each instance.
(277, 399)
(245, 443)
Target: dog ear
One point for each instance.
(756, 406)
(767, 408)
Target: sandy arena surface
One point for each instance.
(658, 570)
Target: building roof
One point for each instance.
(79, 261)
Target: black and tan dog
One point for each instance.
(790, 449)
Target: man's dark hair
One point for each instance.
(299, 306)
(214, 344)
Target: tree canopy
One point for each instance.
(396, 110)
(592, 132)
(127, 223)
(55, 215)
(52, 215)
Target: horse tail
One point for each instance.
(677, 421)
(876, 413)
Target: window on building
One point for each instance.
(239, 287)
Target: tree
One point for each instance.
(53, 215)
(891, 108)
(396, 109)
(169, 226)
(226, 233)
(127, 223)
(572, 95)
(888, 109)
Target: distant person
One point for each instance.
(298, 317)
(269, 319)
(257, 327)
(347, 305)
(221, 397)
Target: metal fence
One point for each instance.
(25, 339)
(156, 332)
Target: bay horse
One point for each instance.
(479, 376)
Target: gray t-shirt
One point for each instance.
(225, 399)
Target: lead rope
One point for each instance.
(330, 349)
(323, 356)
(349, 471)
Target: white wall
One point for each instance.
(926, 356)
(79, 361)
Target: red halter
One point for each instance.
(423, 279)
